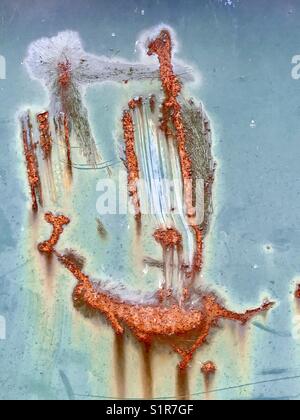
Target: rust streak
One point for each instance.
(45, 134)
(182, 384)
(147, 378)
(172, 115)
(31, 164)
(67, 144)
(171, 109)
(58, 223)
(120, 365)
(297, 292)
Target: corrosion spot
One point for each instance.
(64, 74)
(208, 368)
(168, 238)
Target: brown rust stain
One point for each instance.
(131, 162)
(101, 229)
(32, 167)
(64, 74)
(171, 109)
(68, 144)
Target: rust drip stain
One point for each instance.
(148, 322)
(33, 174)
(297, 292)
(45, 134)
(152, 103)
(131, 162)
(120, 365)
(147, 379)
(182, 385)
(208, 368)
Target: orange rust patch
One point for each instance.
(32, 164)
(168, 238)
(208, 368)
(45, 135)
(131, 161)
(135, 103)
(57, 222)
(148, 321)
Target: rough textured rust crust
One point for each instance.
(31, 164)
(135, 103)
(297, 292)
(199, 148)
(45, 135)
(147, 322)
(168, 238)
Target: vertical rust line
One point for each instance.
(182, 384)
(147, 372)
(120, 366)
